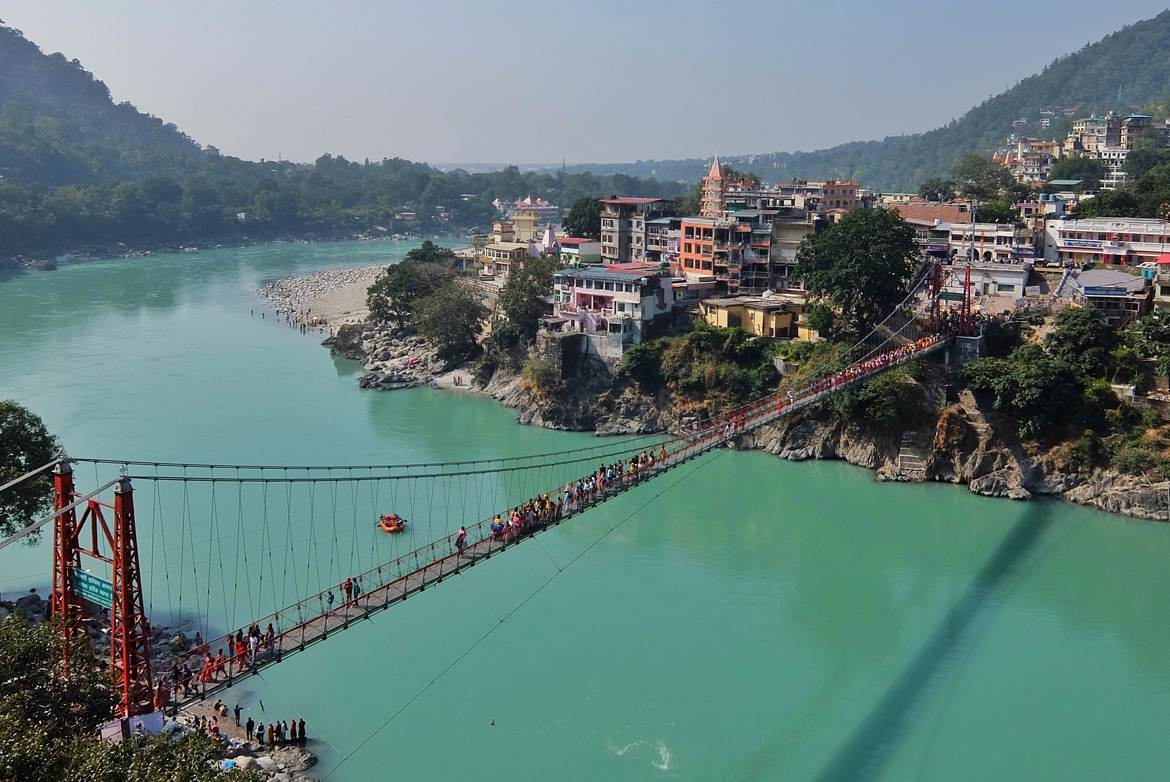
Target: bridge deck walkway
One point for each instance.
(320, 627)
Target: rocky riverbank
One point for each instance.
(954, 439)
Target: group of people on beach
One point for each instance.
(277, 733)
(300, 320)
(273, 734)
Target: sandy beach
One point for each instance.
(324, 300)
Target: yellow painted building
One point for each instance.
(774, 317)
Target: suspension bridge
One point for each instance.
(265, 561)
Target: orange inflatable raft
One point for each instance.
(392, 522)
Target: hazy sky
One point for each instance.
(537, 81)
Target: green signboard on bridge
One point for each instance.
(94, 589)
(951, 296)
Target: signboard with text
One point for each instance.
(92, 588)
(950, 296)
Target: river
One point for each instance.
(741, 618)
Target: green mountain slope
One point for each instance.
(1124, 72)
(58, 125)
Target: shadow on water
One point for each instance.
(874, 741)
(346, 367)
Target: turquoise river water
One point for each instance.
(749, 618)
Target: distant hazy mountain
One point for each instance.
(1124, 72)
(58, 125)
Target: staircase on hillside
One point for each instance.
(912, 455)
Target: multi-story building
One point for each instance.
(1032, 160)
(833, 194)
(662, 240)
(613, 299)
(545, 212)
(789, 229)
(746, 251)
(1119, 296)
(498, 258)
(1126, 241)
(623, 226)
(1138, 127)
(526, 224)
(838, 194)
(1114, 160)
(993, 242)
(1092, 134)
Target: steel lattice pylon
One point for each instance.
(129, 628)
(64, 602)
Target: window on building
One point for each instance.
(629, 287)
(580, 283)
(609, 286)
(687, 247)
(687, 262)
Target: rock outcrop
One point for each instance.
(963, 443)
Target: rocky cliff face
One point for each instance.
(972, 447)
(961, 443)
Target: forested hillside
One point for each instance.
(1124, 72)
(58, 125)
(78, 172)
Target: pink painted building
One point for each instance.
(614, 299)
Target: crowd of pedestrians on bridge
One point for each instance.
(542, 510)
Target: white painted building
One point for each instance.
(1125, 241)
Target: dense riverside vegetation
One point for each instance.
(721, 366)
(1057, 390)
(49, 713)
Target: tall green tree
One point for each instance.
(860, 265)
(429, 252)
(982, 178)
(1110, 203)
(25, 444)
(452, 318)
(423, 271)
(938, 189)
(584, 219)
(522, 299)
(1080, 340)
(996, 211)
(1089, 172)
